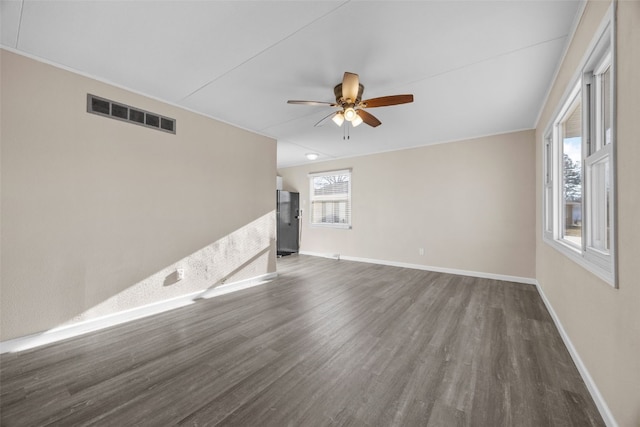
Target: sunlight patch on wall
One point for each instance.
(245, 253)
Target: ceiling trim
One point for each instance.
(307, 162)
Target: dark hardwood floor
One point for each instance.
(326, 343)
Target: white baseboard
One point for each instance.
(603, 408)
(69, 331)
(237, 286)
(483, 275)
(321, 255)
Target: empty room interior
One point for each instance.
(315, 213)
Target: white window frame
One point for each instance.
(557, 167)
(598, 163)
(313, 198)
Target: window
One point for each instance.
(331, 198)
(579, 165)
(569, 129)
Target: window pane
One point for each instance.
(331, 185)
(606, 106)
(607, 189)
(548, 160)
(599, 205)
(548, 217)
(548, 185)
(330, 212)
(571, 136)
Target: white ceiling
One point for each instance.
(475, 67)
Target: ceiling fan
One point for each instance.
(349, 100)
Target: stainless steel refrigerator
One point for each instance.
(288, 222)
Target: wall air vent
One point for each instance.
(118, 111)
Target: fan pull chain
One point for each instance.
(345, 132)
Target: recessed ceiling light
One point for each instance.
(312, 156)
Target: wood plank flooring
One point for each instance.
(326, 343)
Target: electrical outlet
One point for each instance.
(421, 251)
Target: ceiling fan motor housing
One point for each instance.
(343, 102)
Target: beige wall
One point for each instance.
(469, 204)
(98, 213)
(603, 323)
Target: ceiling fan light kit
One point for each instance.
(338, 118)
(349, 114)
(349, 99)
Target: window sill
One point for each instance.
(579, 258)
(338, 226)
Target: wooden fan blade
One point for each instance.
(331, 104)
(368, 118)
(325, 119)
(350, 87)
(385, 101)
